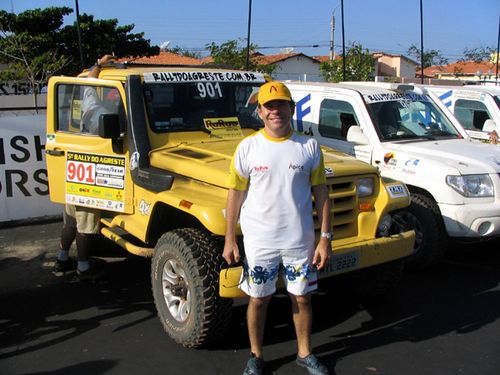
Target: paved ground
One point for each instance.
(445, 321)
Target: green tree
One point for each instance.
(233, 55)
(431, 57)
(30, 47)
(477, 54)
(100, 37)
(34, 44)
(359, 66)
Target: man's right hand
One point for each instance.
(106, 59)
(231, 252)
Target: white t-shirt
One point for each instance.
(278, 175)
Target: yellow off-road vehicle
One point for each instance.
(157, 167)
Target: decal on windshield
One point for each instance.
(394, 96)
(178, 77)
(225, 127)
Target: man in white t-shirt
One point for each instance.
(271, 177)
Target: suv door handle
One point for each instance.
(55, 152)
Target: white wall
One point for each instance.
(298, 68)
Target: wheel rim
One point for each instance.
(175, 289)
(410, 221)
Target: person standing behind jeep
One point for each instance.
(92, 105)
(271, 176)
(83, 223)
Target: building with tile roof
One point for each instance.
(164, 58)
(462, 70)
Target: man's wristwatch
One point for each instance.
(327, 235)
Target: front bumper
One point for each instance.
(472, 220)
(350, 257)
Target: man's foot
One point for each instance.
(255, 366)
(64, 266)
(94, 273)
(313, 365)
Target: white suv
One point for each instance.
(454, 181)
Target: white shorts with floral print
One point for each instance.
(262, 267)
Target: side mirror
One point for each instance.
(356, 135)
(489, 126)
(109, 126)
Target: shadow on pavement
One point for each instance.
(42, 316)
(459, 296)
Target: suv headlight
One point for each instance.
(472, 185)
(365, 187)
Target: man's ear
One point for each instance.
(259, 111)
(292, 107)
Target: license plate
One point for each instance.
(342, 262)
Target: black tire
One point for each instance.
(431, 240)
(185, 283)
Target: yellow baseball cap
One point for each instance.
(273, 91)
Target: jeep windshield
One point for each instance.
(408, 116)
(185, 101)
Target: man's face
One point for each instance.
(276, 114)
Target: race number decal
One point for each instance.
(209, 89)
(96, 181)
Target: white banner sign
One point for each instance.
(24, 187)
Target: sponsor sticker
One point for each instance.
(397, 191)
(94, 180)
(225, 127)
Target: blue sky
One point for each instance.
(379, 25)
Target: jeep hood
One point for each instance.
(209, 161)
(467, 157)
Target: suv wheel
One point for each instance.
(185, 283)
(431, 240)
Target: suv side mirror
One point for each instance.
(356, 135)
(489, 126)
(109, 126)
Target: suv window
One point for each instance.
(79, 107)
(410, 116)
(335, 118)
(471, 113)
(185, 106)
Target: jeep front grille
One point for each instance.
(343, 199)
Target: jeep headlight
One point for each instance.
(472, 185)
(365, 187)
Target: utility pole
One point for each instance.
(248, 34)
(343, 41)
(498, 54)
(332, 53)
(421, 43)
(82, 58)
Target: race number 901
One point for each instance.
(209, 89)
(80, 172)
